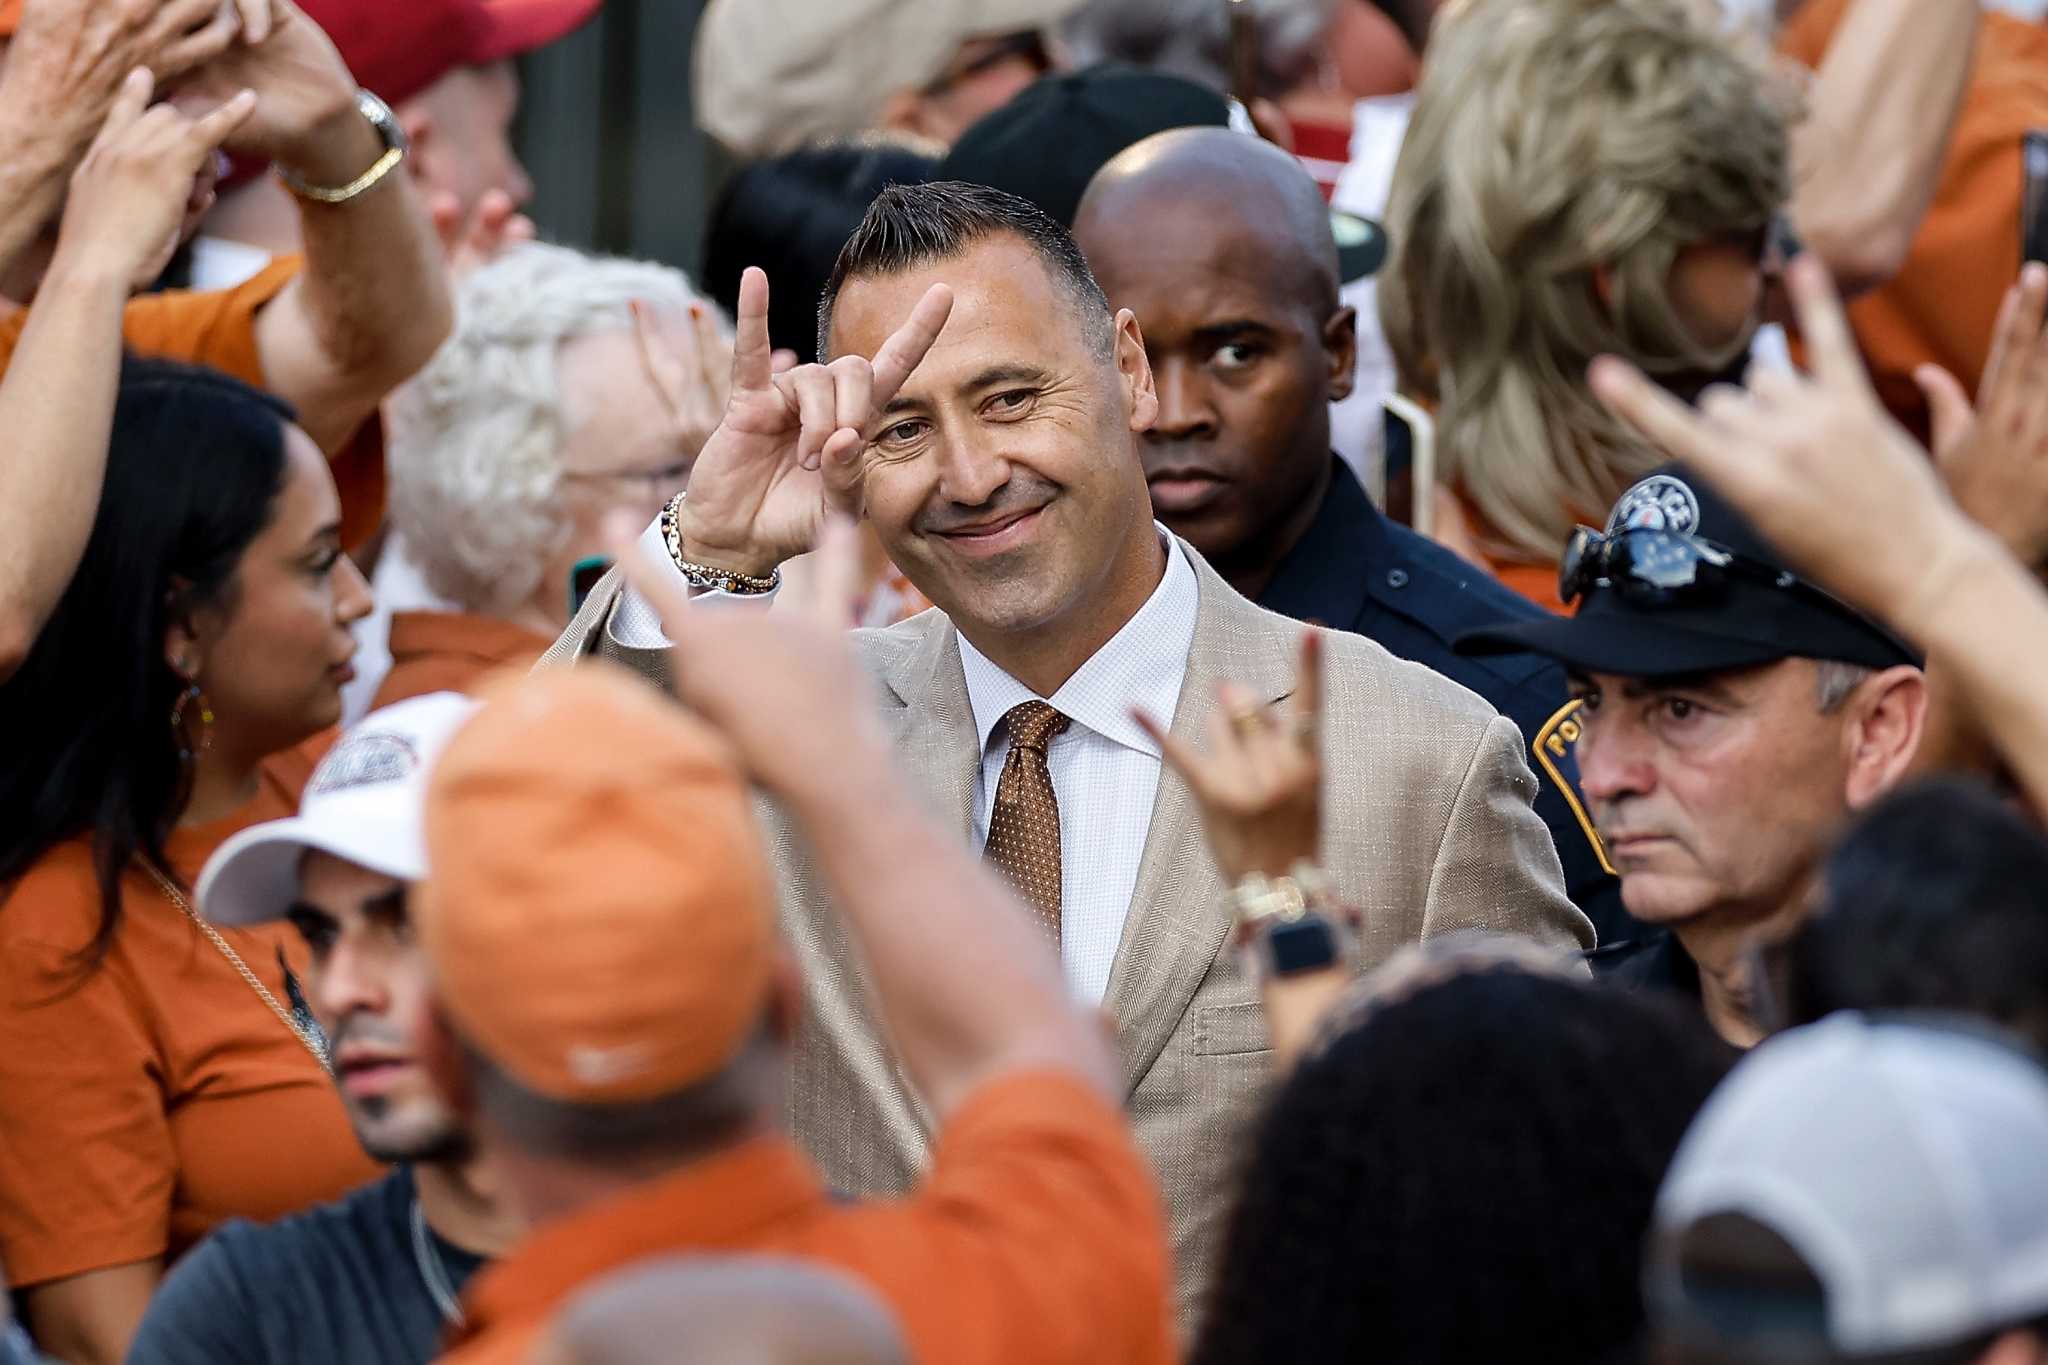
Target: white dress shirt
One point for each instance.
(1105, 770)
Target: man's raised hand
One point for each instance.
(130, 194)
(790, 448)
(1814, 461)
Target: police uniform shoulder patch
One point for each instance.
(1661, 502)
(1554, 743)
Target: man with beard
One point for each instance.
(378, 1275)
(1221, 245)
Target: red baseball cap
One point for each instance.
(397, 48)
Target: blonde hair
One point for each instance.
(1550, 138)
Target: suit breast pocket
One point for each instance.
(1224, 1030)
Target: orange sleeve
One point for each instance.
(87, 1162)
(1044, 1224)
(216, 328)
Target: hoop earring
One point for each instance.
(181, 728)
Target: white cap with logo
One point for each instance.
(364, 804)
(1906, 1163)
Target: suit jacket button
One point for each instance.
(1397, 578)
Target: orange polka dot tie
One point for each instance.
(1024, 830)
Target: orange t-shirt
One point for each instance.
(217, 328)
(441, 651)
(1037, 1238)
(157, 1095)
(1942, 304)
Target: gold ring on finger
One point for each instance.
(1247, 723)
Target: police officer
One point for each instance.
(1730, 717)
(1221, 245)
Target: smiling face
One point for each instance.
(1247, 344)
(369, 988)
(1716, 795)
(1002, 478)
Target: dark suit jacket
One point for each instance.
(1356, 570)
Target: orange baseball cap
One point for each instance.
(599, 907)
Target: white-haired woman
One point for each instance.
(1579, 178)
(574, 386)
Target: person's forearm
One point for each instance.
(1989, 630)
(56, 406)
(33, 164)
(967, 985)
(373, 303)
(1867, 158)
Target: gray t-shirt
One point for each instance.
(340, 1284)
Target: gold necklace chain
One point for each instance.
(312, 1041)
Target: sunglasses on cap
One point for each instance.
(1649, 567)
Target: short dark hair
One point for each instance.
(911, 225)
(665, 1130)
(1936, 900)
(1466, 1174)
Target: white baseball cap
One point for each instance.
(364, 804)
(1905, 1162)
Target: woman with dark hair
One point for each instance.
(157, 1075)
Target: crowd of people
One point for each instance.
(1238, 681)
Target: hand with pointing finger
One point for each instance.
(1994, 457)
(1817, 464)
(130, 194)
(791, 445)
(1259, 782)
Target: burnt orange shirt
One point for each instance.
(217, 329)
(442, 651)
(1037, 1238)
(157, 1095)
(1941, 305)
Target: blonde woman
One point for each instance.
(1580, 177)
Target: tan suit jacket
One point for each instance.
(1428, 829)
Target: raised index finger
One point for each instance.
(901, 353)
(751, 368)
(1823, 325)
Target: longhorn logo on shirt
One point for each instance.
(1658, 503)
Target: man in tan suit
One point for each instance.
(990, 441)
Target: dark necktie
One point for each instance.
(1024, 829)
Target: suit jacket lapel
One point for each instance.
(935, 735)
(1177, 921)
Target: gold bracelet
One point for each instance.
(704, 577)
(361, 185)
(380, 118)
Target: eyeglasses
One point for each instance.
(1652, 568)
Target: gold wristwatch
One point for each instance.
(395, 148)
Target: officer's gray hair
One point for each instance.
(1836, 682)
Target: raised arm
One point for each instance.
(1827, 475)
(57, 399)
(1868, 157)
(373, 303)
(969, 988)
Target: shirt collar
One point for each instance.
(725, 1201)
(1143, 665)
